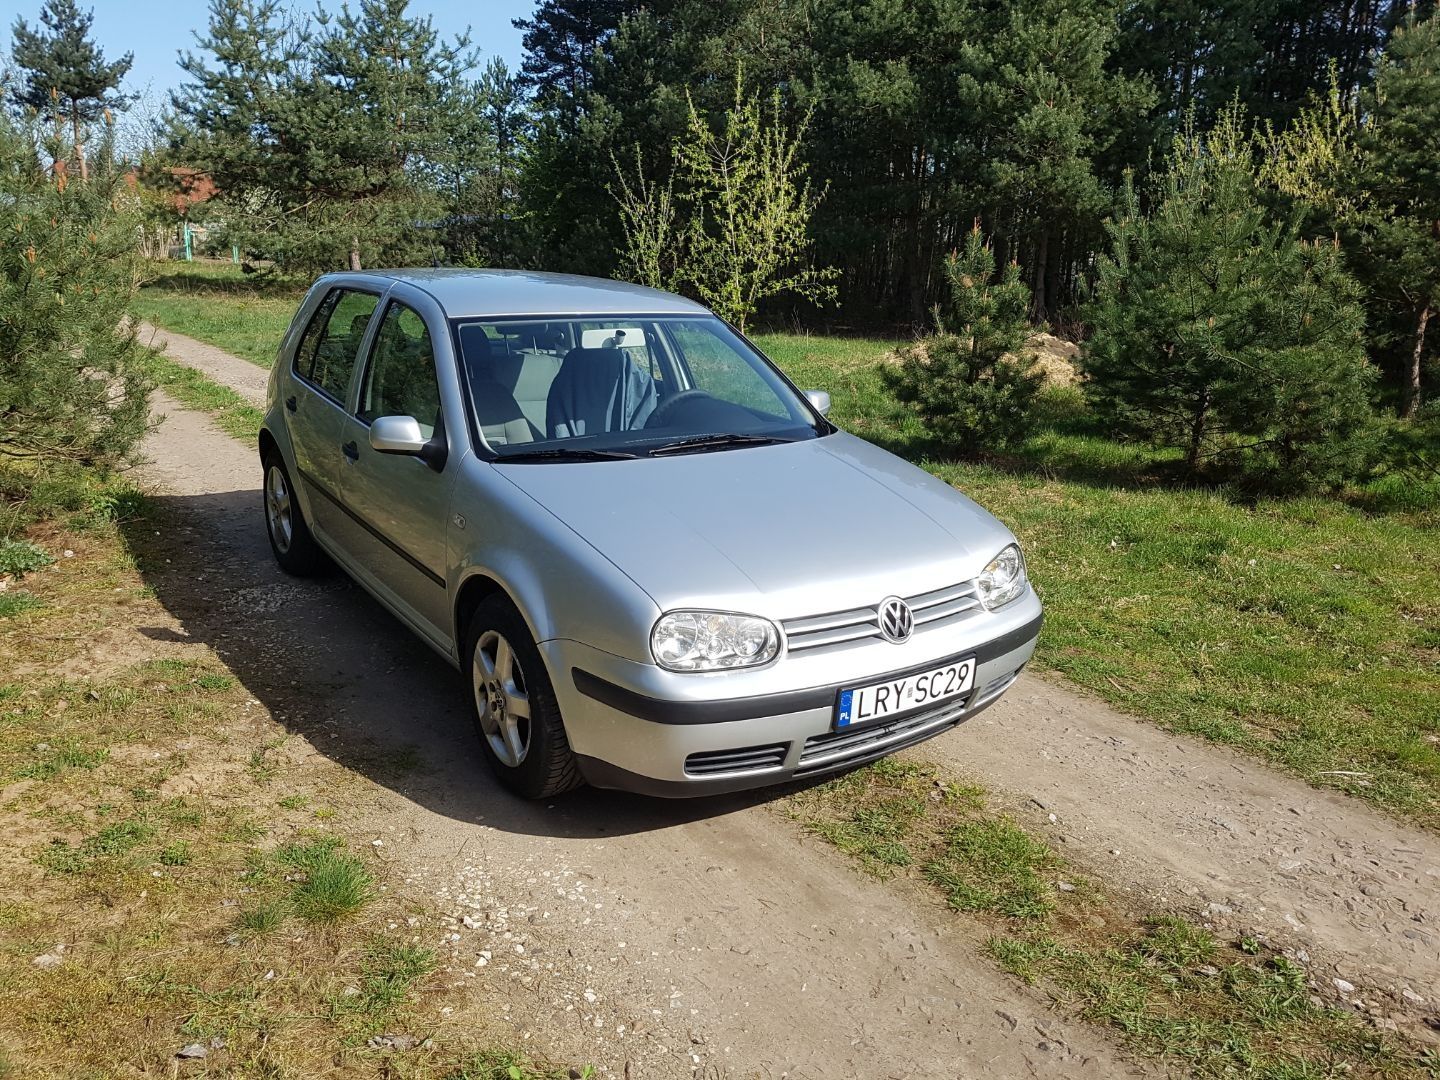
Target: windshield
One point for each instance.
(596, 389)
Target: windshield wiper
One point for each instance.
(575, 453)
(716, 441)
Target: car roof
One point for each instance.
(467, 293)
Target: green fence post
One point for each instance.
(189, 252)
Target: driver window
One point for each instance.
(400, 379)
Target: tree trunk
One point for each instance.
(1054, 263)
(1197, 432)
(914, 257)
(1041, 276)
(1412, 396)
(79, 146)
(355, 254)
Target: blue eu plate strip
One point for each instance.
(842, 719)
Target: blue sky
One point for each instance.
(156, 32)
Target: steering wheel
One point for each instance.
(670, 404)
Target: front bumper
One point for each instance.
(641, 742)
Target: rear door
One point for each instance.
(321, 372)
(400, 504)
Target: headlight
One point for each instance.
(712, 641)
(1003, 579)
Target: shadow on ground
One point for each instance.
(331, 664)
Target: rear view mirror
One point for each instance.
(819, 401)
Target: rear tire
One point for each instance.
(294, 547)
(513, 704)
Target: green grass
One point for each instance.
(1303, 631)
(53, 760)
(107, 847)
(993, 865)
(262, 919)
(1298, 631)
(18, 603)
(388, 975)
(231, 412)
(1168, 988)
(335, 883)
(219, 306)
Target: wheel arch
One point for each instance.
(476, 588)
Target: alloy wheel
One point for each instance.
(278, 510)
(501, 699)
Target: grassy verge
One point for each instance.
(232, 413)
(184, 894)
(1306, 632)
(1166, 986)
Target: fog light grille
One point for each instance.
(741, 759)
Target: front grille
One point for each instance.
(743, 759)
(833, 749)
(941, 607)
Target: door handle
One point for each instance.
(291, 403)
(351, 451)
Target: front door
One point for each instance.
(400, 503)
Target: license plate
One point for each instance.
(882, 699)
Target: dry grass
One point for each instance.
(163, 894)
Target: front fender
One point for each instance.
(563, 586)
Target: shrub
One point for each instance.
(973, 386)
(1221, 333)
(73, 382)
(20, 557)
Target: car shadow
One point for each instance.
(333, 666)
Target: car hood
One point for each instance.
(783, 530)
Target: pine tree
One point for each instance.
(325, 139)
(386, 80)
(65, 78)
(1224, 334)
(560, 40)
(1041, 109)
(1400, 170)
(972, 382)
(478, 169)
(74, 384)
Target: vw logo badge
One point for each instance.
(897, 621)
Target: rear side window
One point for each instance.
(400, 380)
(331, 343)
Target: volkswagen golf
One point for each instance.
(656, 562)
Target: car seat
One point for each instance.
(599, 390)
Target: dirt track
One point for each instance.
(714, 929)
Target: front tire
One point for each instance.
(513, 703)
(294, 547)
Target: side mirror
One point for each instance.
(397, 435)
(819, 400)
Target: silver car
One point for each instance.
(658, 564)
